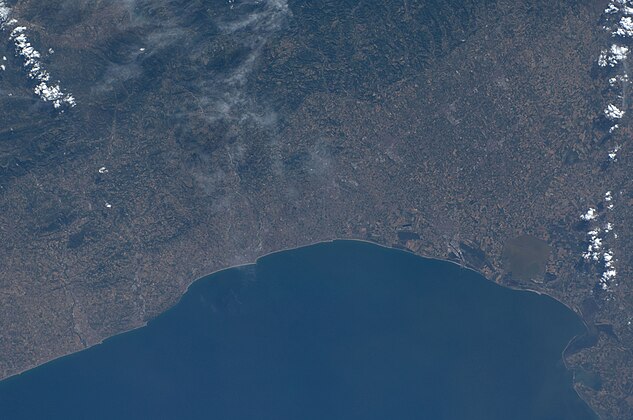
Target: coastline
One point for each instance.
(288, 249)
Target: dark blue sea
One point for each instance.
(342, 330)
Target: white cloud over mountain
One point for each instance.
(47, 91)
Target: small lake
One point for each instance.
(341, 330)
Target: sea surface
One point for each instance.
(341, 330)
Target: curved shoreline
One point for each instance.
(578, 313)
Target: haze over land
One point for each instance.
(208, 133)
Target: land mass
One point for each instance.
(206, 137)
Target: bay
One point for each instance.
(340, 330)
